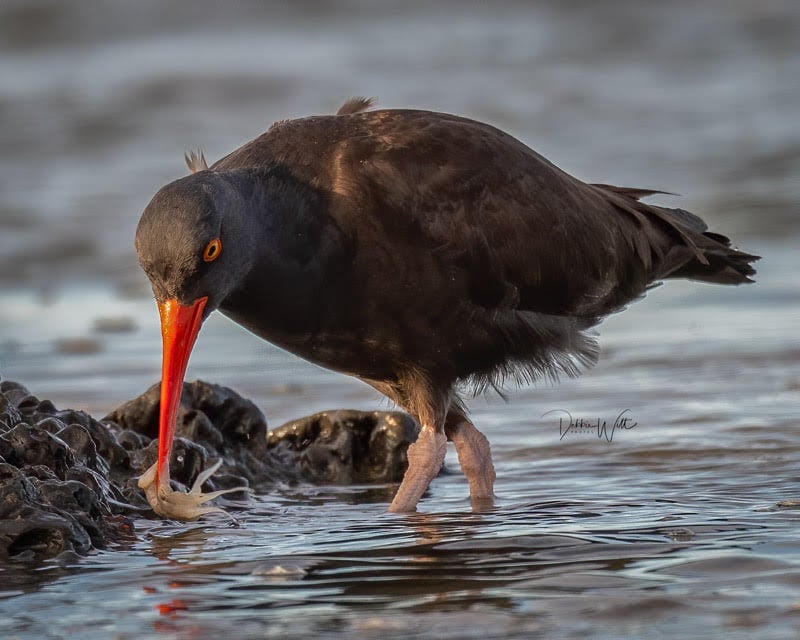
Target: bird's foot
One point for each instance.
(425, 459)
(178, 505)
(475, 458)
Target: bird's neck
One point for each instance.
(297, 258)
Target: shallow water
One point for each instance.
(681, 525)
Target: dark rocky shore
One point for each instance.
(68, 481)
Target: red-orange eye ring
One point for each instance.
(212, 251)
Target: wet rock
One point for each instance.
(13, 391)
(345, 447)
(82, 447)
(9, 414)
(188, 460)
(211, 419)
(206, 412)
(55, 492)
(337, 447)
(32, 527)
(68, 481)
(25, 446)
(51, 425)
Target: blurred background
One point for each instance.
(99, 101)
(687, 522)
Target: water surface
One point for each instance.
(684, 525)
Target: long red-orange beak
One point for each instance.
(179, 327)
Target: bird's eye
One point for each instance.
(212, 251)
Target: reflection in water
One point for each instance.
(395, 573)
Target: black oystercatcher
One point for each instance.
(420, 252)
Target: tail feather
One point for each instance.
(725, 264)
(689, 220)
(676, 243)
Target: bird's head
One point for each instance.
(193, 246)
(190, 240)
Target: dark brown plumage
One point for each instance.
(418, 251)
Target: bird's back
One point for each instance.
(475, 256)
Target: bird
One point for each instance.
(427, 254)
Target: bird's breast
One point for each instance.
(322, 335)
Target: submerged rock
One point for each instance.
(68, 481)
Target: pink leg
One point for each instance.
(475, 457)
(425, 459)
